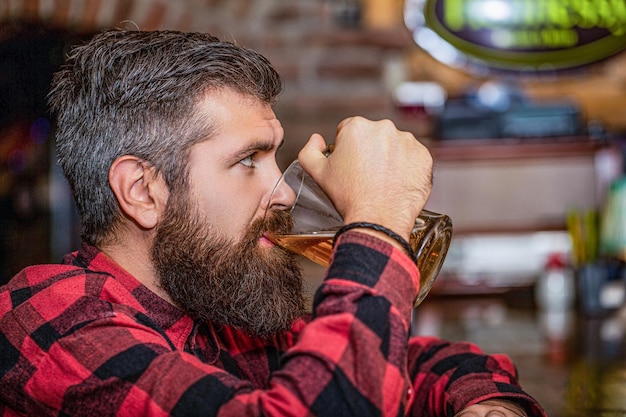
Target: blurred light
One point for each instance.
(438, 48)
(413, 14)
(429, 96)
(494, 95)
(501, 38)
(492, 10)
(613, 225)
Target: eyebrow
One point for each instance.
(258, 146)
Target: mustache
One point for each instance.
(274, 222)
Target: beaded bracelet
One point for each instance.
(378, 228)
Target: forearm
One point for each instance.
(358, 338)
(448, 377)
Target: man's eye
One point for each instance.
(248, 162)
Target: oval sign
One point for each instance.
(518, 35)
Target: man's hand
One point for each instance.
(375, 174)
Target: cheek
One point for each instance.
(230, 212)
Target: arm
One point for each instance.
(360, 327)
(451, 377)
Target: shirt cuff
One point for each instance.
(370, 261)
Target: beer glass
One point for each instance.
(316, 220)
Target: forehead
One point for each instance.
(239, 120)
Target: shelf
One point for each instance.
(494, 149)
(517, 186)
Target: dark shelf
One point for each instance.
(513, 148)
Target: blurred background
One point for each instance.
(526, 123)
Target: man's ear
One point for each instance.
(140, 191)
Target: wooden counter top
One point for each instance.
(572, 364)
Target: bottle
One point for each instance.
(555, 288)
(555, 297)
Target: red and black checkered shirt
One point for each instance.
(86, 338)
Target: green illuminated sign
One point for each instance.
(519, 35)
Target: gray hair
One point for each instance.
(135, 93)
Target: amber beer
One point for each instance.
(316, 247)
(429, 239)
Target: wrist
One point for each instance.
(399, 222)
(379, 231)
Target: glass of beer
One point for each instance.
(316, 220)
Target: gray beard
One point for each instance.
(258, 290)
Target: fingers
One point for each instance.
(376, 172)
(312, 155)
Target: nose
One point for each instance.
(281, 197)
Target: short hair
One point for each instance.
(135, 93)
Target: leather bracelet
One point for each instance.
(378, 228)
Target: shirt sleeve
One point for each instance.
(448, 377)
(351, 358)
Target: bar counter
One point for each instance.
(573, 364)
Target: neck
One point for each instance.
(132, 251)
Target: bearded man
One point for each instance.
(178, 304)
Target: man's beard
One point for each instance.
(259, 290)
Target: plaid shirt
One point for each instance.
(86, 338)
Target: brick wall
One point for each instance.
(331, 67)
